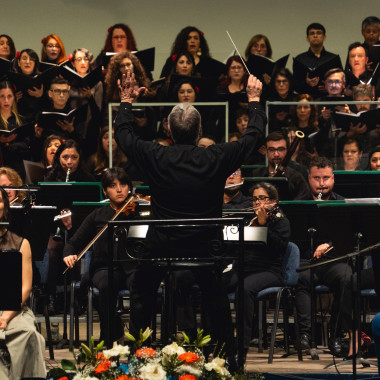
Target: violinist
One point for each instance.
(262, 265)
(117, 187)
(233, 197)
(277, 149)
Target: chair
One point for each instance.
(91, 292)
(281, 293)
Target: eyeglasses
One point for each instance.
(334, 82)
(59, 92)
(119, 37)
(260, 198)
(280, 149)
(235, 174)
(236, 68)
(51, 46)
(81, 59)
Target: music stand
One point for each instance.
(179, 224)
(357, 184)
(352, 218)
(63, 194)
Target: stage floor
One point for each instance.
(256, 362)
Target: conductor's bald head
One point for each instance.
(184, 124)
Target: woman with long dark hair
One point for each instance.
(23, 343)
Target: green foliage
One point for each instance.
(143, 336)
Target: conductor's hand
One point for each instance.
(129, 91)
(70, 260)
(321, 250)
(254, 88)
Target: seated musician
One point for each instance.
(22, 347)
(262, 266)
(233, 197)
(336, 275)
(277, 149)
(117, 187)
(9, 177)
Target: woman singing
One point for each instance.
(18, 328)
(117, 187)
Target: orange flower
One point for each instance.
(123, 377)
(102, 367)
(100, 357)
(63, 378)
(187, 377)
(145, 352)
(189, 357)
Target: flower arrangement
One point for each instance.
(177, 361)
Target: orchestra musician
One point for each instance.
(262, 265)
(233, 197)
(117, 187)
(336, 275)
(22, 346)
(186, 182)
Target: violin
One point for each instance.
(271, 212)
(126, 209)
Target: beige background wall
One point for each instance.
(156, 23)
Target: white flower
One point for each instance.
(190, 369)
(81, 376)
(152, 371)
(115, 351)
(217, 364)
(170, 350)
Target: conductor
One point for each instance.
(186, 182)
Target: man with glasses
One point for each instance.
(335, 275)
(313, 58)
(277, 147)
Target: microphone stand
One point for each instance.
(64, 342)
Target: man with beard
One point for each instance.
(277, 147)
(335, 275)
(233, 198)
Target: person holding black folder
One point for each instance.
(193, 40)
(22, 345)
(119, 65)
(29, 100)
(15, 136)
(281, 89)
(304, 64)
(356, 68)
(86, 89)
